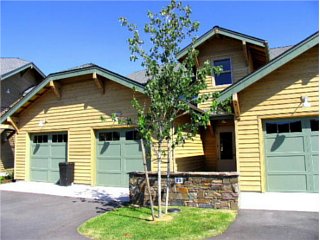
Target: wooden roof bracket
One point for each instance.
(56, 87)
(99, 83)
(266, 49)
(211, 130)
(14, 123)
(236, 106)
(245, 52)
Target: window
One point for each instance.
(40, 139)
(314, 125)
(59, 138)
(283, 127)
(132, 135)
(109, 136)
(225, 76)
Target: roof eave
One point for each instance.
(224, 32)
(101, 71)
(74, 73)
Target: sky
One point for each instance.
(59, 35)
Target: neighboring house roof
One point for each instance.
(139, 76)
(74, 72)
(276, 63)
(275, 52)
(225, 32)
(11, 66)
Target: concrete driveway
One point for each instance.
(28, 216)
(271, 225)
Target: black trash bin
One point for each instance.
(66, 170)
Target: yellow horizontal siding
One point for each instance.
(276, 95)
(190, 155)
(222, 48)
(20, 154)
(77, 112)
(210, 150)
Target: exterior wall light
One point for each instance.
(42, 123)
(305, 101)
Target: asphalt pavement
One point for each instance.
(28, 216)
(273, 225)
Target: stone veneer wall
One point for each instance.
(218, 190)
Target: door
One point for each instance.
(47, 150)
(292, 155)
(226, 149)
(118, 152)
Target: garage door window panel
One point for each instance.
(40, 139)
(109, 136)
(59, 138)
(133, 135)
(283, 127)
(314, 125)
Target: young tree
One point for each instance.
(174, 84)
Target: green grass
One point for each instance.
(134, 223)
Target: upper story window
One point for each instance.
(225, 76)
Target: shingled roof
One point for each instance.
(139, 76)
(275, 52)
(10, 66)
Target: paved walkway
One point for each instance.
(75, 190)
(305, 202)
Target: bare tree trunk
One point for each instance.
(147, 177)
(168, 174)
(159, 178)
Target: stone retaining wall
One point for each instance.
(218, 190)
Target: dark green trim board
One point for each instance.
(276, 63)
(74, 73)
(225, 32)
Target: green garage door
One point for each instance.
(47, 150)
(118, 152)
(292, 155)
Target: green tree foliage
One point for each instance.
(174, 84)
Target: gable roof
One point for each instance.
(216, 30)
(11, 66)
(276, 63)
(74, 72)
